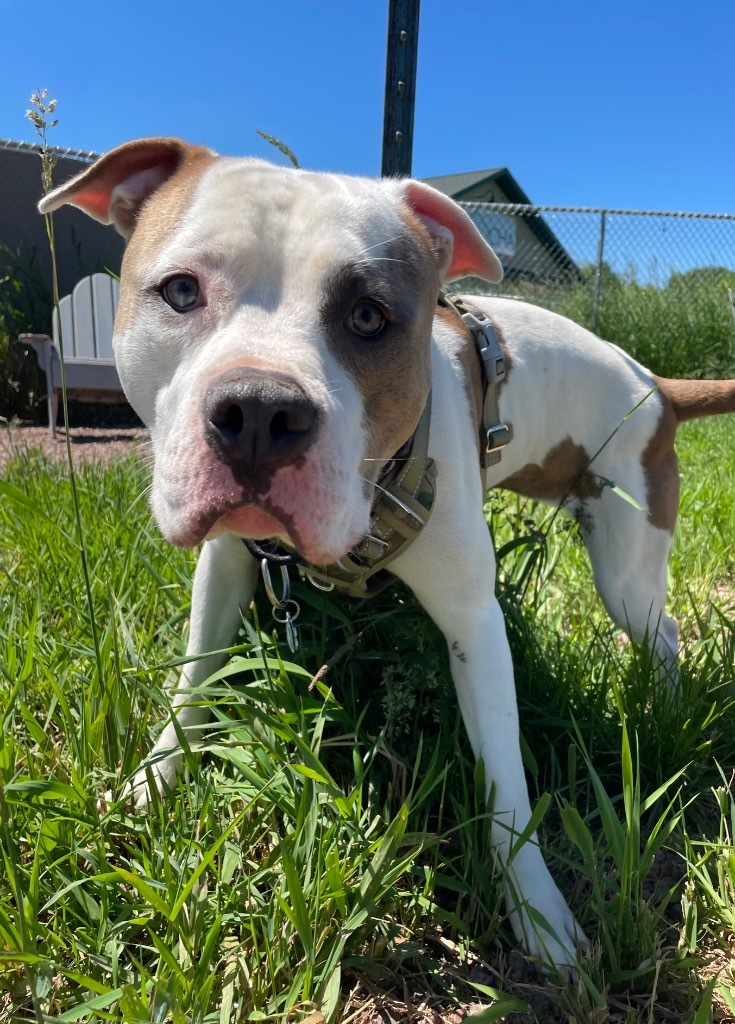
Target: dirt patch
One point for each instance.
(88, 443)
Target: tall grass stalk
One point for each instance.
(38, 116)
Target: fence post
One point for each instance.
(400, 87)
(598, 270)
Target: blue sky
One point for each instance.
(630, 104)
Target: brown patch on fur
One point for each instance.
(564, 473)
(661, 466)
(691, 399)
(682, 400)
(157, 220)
(393, 370)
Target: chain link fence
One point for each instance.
(654, 283)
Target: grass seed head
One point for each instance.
(39, 119)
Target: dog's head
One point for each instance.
(273, 332)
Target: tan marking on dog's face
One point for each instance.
(158, 219)
(661, 471)
(563, 474)
(392, 371)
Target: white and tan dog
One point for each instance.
(278, 332)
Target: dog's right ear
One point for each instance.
(114, 188)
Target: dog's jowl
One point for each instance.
(279, 333)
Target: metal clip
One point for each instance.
(402, 505)
(497, 437)
(372, 547)
(319, 584)
(487, 345)
(285, 609)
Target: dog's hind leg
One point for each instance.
(629, 559)
(224, 582)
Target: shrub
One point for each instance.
(25, 306)
(683, 329)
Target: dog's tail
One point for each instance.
(691, 399)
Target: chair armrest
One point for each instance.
(43, 346)
(39, 340)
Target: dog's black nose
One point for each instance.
(259, 420)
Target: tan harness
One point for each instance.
(496, 435)
(406, 488)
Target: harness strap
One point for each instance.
(496, 434)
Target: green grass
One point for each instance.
(331, 843)
(656, 324)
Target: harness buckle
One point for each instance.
(372, 547)
(487, 345)
(497, 437)
(409, 511)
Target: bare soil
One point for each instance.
(88, 443)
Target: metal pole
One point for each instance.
(400, 87)
(598, 271)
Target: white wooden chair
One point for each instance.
(86, 318)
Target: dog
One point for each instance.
(279, 333)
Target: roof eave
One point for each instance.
(59, 152)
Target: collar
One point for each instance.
(404, 496)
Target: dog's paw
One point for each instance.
(154, 779)
(543, 922)
(550, 932)
(138, 793)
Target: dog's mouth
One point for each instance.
(253, 522)
(303, 508)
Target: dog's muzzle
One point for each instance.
(258, 420)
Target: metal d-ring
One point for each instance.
(276, 601)
(285, 609)
(286, 614)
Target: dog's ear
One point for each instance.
(114, 188)
(460, 249)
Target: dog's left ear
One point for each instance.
(459, 248)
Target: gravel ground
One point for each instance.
(87, 442)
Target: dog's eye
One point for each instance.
(366, 319)
(181, 293)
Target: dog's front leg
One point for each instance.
(224, 582)
(465, 608)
